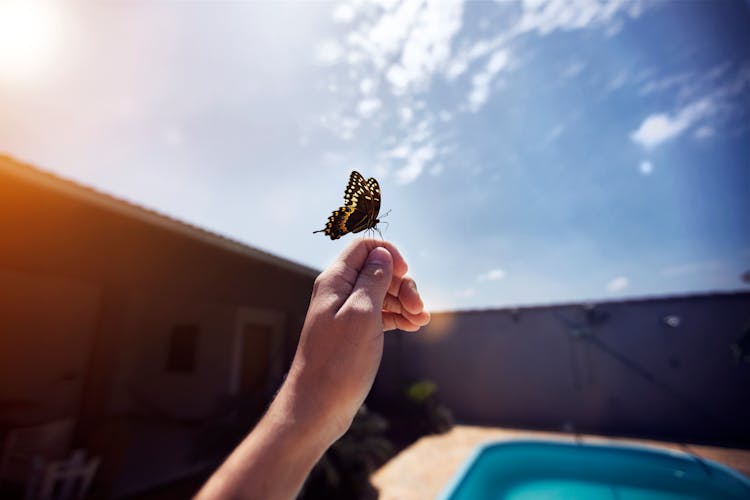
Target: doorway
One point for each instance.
(258, 352)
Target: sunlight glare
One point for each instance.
(29, 34)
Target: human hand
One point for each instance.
(363, 293)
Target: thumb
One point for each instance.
(374, 279)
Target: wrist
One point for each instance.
(277, 456)
(303, 410)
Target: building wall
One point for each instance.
(618, 368)
(46, 327)
(89, 297)
(145, 385)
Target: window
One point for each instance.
(182, 346)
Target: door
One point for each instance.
(258, 350)
(255, 358)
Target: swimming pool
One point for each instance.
(521, 470)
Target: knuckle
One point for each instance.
(318, 283)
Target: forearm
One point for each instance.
(273, 461)
(337, 357)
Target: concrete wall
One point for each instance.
(618, 368)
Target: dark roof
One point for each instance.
(48, 180)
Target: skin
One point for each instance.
(363, 293)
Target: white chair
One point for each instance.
(49, 441)
(61, 479)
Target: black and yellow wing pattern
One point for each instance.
(360, 210)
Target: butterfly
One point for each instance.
(360, 210)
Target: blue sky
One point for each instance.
(529, 152)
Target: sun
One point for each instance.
(30, 33)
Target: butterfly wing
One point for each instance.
(367, 202)
(360, 210)
(336, 227)
(356, 184)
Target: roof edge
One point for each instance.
(68, 187)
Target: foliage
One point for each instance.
(741, 347)
(419, 392)
(344, 470)
(423, 410)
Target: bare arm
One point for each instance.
(363, 293)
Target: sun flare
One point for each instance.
(29, 35)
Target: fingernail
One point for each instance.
(379, 256)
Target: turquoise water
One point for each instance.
(524, 470)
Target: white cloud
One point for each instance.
(413, 154)
(546, 16)
(646, 167)
(712, 98)
(497, 62)
(492, 275)
(343, 13)
(481, 82)
(401, 151)
(328, 52)
(387, 35)
(428, 46)
(667, 83)
(618, 81)
(347, 127)
(368, 107)
(343, 127)
(405, 44)
(406, 114)
(660, 127)
(618, 284)
(410, 41)
(398, 78)
(456, 68)
(381, 171)
(573, 70)
(461, 61)
(704, 132)
(367, 86)
(415, 164)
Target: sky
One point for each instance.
(529, 152)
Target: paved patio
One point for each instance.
(422, 470)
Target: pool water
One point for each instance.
(522, 470)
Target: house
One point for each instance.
(660, 367)
(150, 343)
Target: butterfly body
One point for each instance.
(360, 210)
